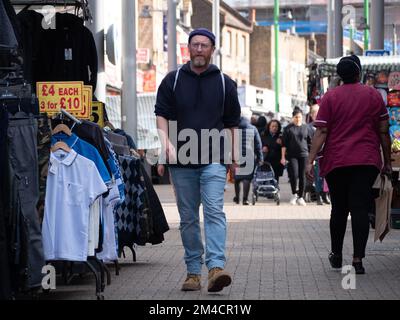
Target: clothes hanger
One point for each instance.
(62, 128)
(109, 125)
(60, 145)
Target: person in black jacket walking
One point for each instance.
(272, 147)
(296, 139)
(198, 99)
(251, 143)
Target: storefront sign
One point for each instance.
(149, 80)
(185, 54)
(54, 96)
(377, 53)
(143, 55)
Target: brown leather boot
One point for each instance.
(192, 283)
(218, 279)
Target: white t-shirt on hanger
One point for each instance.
(73, 184)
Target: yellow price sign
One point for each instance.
(98, 113)
(87, 103)
(54, 96)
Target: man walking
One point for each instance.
(199, 98)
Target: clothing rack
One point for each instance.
(83, 4)
(97, 267)
(66, 113)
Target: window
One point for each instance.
(237, 45)
(228, 43)
(242, 47)
(300, 85)
(259, 97)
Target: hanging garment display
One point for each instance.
(86, 150)
(27, 240)
(110, 244)
(160, 224)
(73, 184)
(5, 284)
(72, 55)
(43, 145)
(131, 217)
(32, 41)
(92, 133)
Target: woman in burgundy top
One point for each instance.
(352, 125)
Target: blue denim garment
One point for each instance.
(194, 186)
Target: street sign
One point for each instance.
(377, 53)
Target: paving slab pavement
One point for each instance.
(273, 253)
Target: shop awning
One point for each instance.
(369, 64)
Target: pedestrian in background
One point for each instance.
(251, 144)
(272, 147)
(261, 124)
(352, 126)
(199, 97)
(296, 139)
(322, 196)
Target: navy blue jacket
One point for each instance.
(197, 103)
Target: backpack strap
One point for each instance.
(223, 89)
(176, 78)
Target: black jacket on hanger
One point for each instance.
(69, 54)
(93, 134)
(31, 29)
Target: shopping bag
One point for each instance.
(325, 188)
(382, 206)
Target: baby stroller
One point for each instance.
(265, 184)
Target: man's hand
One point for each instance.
(170, 152)
(310, 171)
(265, 149)
(161, 170)
(283, 161)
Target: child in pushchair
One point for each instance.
(265, 184)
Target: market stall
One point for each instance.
(73, 191)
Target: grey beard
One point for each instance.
(199, 62)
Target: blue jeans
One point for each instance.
(194, 186)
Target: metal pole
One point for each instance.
(129, 110)
(338, 29)
(172, 63)
(366, 20)
(329, 38)
(352, 44)
(96, 26)
(394, 40)
(216, 30)
(377, 24)
(276, 30)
